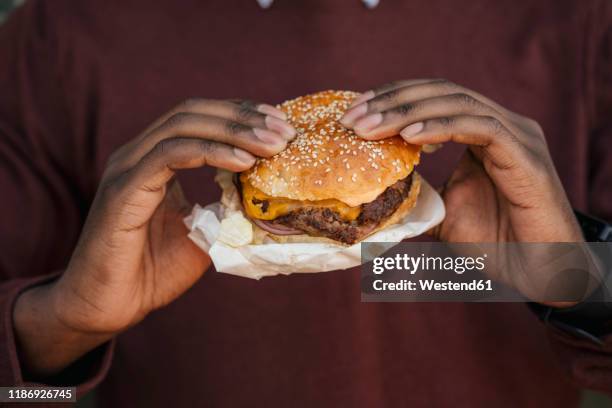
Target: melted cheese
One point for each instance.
(278, 206)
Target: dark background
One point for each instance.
(590, 399)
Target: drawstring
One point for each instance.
(264, 4)
(370, 3)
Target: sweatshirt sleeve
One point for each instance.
(600, 172)
(84, 374)
(43, 178)
(588, 363)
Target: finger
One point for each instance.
(261, 107)
(274, 119)
(237, 110)
(390, 122)
(497, 142)
(249, 113)
(369, 94)
(260, 142)
(143, 186)
(411, 92)
(253, 114)
(169, 155)
(399, 96)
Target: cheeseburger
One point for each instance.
(329, 184)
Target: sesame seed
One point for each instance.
(321, 141)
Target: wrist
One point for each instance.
(45, 344)
(74, 307)
(84, 303)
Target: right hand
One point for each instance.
(134, 255)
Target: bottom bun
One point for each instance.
(261, 236)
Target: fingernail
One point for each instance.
(271, 110)
(353, 114)
(280, 126)
(267, 136)
(412, 130)
(366, 96)
(368, 123)
(243, 156)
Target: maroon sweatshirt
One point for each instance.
(80, 78)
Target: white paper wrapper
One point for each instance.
(225, 244)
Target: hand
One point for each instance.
(134, 255)
(505, 187)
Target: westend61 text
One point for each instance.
(431, 285)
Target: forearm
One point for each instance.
(46, 344)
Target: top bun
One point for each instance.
(327, 160)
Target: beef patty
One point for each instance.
(321, 221)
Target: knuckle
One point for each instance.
(465, 100)
(244, 112)
(207, 147)
(110, 169)
(388, 96)
(445, 122)
(404, 109)
(247, 104)
(178, 119)
(162, 147)
(447, 85)
(536, 125)
(498, 128)
(109, 190)
(494, 126)
(166, 148)
(392, 84)
(389, 86)
(233, 128)
(191, 103)
(113, 158)
(533, 124)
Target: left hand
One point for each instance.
(505, 187)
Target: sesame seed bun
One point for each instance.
(329, 185)
(328, 161)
